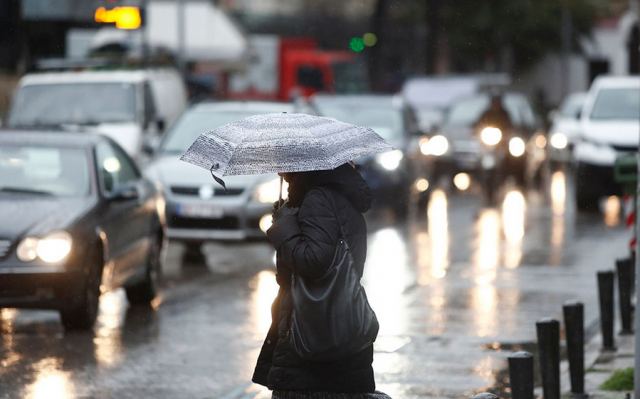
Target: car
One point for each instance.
(390, 174)
(456, 151)
(609, 128)
(78, 219)
(565, 128)
(130, 106)
(197, 208)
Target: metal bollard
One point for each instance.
(485, 395)
(607, 315)
(624, 270)
(548, 331)
(574, 334)
(521, 375)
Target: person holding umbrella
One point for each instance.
(320, 343)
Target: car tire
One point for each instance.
(82, 314)
(586, 197)
(144, 292)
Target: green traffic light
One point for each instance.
(356, 44)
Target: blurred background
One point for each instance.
(125, 272)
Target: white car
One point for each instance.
(197, 208)
(609, 128)
(130, 106)
(565, 127)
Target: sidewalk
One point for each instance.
(600, 365)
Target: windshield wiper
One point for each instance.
(22, 190)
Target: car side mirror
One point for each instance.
(126, 192)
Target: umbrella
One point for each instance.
(281, 142)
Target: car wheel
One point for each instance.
(82, 314)
(146, 290)
(193, 255)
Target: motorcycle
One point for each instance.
(502, 155)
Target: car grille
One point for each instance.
(5, 245)
(625, 148)
(195, 191)
(225, 223)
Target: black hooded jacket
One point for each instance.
(305, 245)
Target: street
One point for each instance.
(455, 291)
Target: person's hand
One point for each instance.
(283, 211)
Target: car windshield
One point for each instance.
(73, 103)
(385, 120)
(623, 103)
(40, 170)
(193, 123)
(467, 112)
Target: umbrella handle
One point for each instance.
(280, 196)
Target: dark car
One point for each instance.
(389, 174)
(77, 219)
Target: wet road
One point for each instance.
(454, 290)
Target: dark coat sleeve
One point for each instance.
(308, 242)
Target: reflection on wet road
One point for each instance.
(455, 280)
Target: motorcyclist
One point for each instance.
(495, 115)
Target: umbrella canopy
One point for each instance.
(282, 142)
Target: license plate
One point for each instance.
(200, 211)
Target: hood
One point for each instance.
(127, 134)
(169, 170)
(348, 182)
(27, 215)
(624, 133)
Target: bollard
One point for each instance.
(574, 334)
(485, 395)
(548, 331)
(624, 270)
(521, 375)
(607, 315)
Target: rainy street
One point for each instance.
(455, 289)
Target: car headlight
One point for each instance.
(269, 192)
(437, 145)
(491, 135)
(52, 248)
(516, 147)
(559, 141)
(390, 160)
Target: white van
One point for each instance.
(131, 106)
(609, 128)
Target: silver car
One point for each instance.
(197, 208)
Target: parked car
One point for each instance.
(565, 128)
(609, 128)
(390, 174)
(132, 107)
(77, 218)
(198, 209)
(461, 146)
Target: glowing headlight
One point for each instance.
(559, 141)
(390, 160)
(53, 248)
(269, 192)
(516, 147)
(491, 135)
(265, 223)
(437, 145)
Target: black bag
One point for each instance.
(331, 316)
